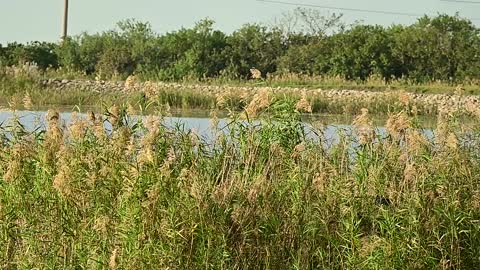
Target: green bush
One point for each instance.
(442, 48)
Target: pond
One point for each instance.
(201, 123)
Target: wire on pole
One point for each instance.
(461, 1)
(358, 9)
(343, 9)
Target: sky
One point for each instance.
(29, 20)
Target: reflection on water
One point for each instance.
(332, 125)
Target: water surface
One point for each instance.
(200, 121)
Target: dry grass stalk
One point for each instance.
(214, 120)
(244, 94)
(53, 136)
(120, 140)
(320, 181)
(442, 130)
(410, 173)
(194, 137)
(78, 128)
(397, 124)
(146, 154)
(368, 244)
(15, 102)
(19, 153)
(27, 101)
(130, 83)
(460, 90)
(303, 105)
(298, 149)
(415, 142)
(112, 263)
(61, 181)
(114, 115)
(131, 110)
(221, 101)
(260, 101)
(364, 127)
(150, 89)
(451, 142)
(473, 108)
(404, 98)
(101, 224)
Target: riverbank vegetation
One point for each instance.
(187, 96)
(302, 45)
(262, 194)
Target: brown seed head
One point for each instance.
(112, 263)
(260, 101)
(397, 124)
(114, 116)
(130, 83)
(364, 127)
(303, 105)
(27, 102)
(150, 90)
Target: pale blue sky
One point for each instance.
(27, 20)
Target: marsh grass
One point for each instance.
(25, 93)
(373, 83)
(260, 196)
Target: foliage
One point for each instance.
(254, 46)
(41, 53)
(442, 48)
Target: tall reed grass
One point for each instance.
(260, 195)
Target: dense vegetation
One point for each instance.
(443, 48)
(255, 197)
(264, 192)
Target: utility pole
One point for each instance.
(65, 21)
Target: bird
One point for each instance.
(255, 73)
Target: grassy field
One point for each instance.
(256, 197)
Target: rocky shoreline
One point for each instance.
(457, 100)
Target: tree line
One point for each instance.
(445, 48)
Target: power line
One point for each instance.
(359, 10)
(464, 2)
(344, 9)
(461, 1)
